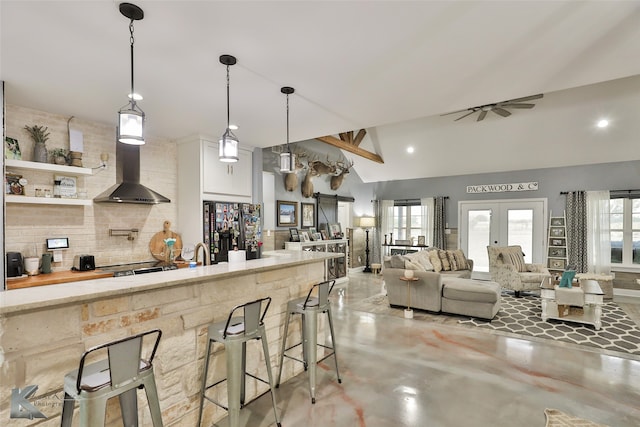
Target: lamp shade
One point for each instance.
(131, 126)
(228, 150)
(367, 222)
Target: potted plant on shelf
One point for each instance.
(59, 156)
(40, 136)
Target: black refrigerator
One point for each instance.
(231, 225)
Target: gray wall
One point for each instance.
(551, 181)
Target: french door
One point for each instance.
(502, 223)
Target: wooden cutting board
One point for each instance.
(158, 247)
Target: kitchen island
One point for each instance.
(45, 330)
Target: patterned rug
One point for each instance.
(557, 418)
(522, 317)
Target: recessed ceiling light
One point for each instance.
(135, 96)
(603, 123)
(233, 127)
(410, 150)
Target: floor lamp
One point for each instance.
(367, 222)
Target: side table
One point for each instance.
(408, 312)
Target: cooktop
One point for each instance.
(131, 269)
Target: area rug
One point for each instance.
(522, 317)
(557, 418)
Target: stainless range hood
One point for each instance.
(129, 189)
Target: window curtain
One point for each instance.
(427, 219)
(385, 213)
(439, 222)
(598, 232)
(577, 229)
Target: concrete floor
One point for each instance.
(400, 372)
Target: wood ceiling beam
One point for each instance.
(352, 148)
(359, 137)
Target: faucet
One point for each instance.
(207, 261)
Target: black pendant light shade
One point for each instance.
(228, 149)
(287, 158)
(130, 117)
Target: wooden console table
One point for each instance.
(590, 313)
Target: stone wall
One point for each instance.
(42, 345)
(27, 226)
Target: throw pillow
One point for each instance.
(435, 261)
(517, 260)
(446, 265)
(410, 265)
(397, 261)
(452, 260)
(567, 278)
(423, 259)
(459, 259)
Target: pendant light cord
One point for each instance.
(131, 40)
(288, 149)
(228, 121)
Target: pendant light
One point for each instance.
(228, 142)
(131, 117)
(287, 158)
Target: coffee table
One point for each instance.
(590, 313)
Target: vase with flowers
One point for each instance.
(40, 136)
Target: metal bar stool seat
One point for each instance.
(120, 374)
(309, 307)
(234, 333)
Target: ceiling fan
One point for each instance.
(500, 108)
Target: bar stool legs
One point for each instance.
(309, 308)
(234, 334)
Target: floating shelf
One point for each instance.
(12, 198)
(47, 167)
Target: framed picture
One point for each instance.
(12, 149)
(293, 235)
(308, 215)
(422, 241)
(557, 222)
(335, 231)
(287, 213)
(556, 231)
(304, 236)
(558, 252)
(557, 264)
(317, 236)
(557, 242)
(324, 234)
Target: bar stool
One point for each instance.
(309, 308)
(120, 374)
(234, 334)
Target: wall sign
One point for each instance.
(502, 188)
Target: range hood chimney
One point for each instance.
(129, 189)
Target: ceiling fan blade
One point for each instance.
(526, 98)
(456, 112)
(483, 113)
(462, 117)
(517, 105)
(501, 111)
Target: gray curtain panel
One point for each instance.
(577, 229)
(439, 222)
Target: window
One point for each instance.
(625, 231)
(408, 222)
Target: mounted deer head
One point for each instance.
(307, 185)
(336, 180)
(317, 168)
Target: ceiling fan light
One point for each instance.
(228, 147)
(131, 125)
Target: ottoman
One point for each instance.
(469, 297)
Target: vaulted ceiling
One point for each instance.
(389, 67)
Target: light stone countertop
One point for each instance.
(18, 300)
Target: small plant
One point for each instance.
(38, 133)
(58, 152)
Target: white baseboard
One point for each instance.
(626, 293)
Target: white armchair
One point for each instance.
(507, 267)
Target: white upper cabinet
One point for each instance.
(225, 178)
